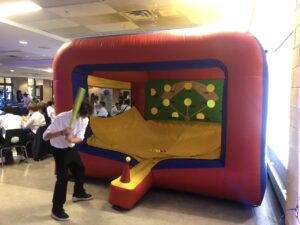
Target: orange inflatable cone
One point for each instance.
(125, 177)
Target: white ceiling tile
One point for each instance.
(73, 32)
(129, 5)
(99, 19)
(56, 3)
(34, 16)
(90, 9)
(53, 24)
(123, 26)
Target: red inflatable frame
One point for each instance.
(240, 174)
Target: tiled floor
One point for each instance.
(26, 193)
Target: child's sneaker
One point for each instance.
(60, 215)
(82, 197)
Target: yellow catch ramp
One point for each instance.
(125, 195)
(150, 142)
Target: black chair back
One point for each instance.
(40, 148)
(14, 137)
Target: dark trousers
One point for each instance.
(67, 158)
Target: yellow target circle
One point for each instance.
(152, 92)
(154, 110)
(175, 114)
(166, 102)
(188, 86)
(187, 102)
(128, 159)
(200, 116)
(167, 87)
(210, 88)
(211, 103)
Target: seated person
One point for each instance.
(126, 106)
(101, 110)
(116, 109)
(9, 121)
(33, 121)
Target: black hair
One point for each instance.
(127, 102)
(42, 106)
(86, 108)
(102, 103)
(50, 103)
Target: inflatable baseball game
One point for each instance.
(198, 119)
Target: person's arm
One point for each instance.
(74, 140)
(27, 123)
(54, 134)
(79, 136)
(55, 129)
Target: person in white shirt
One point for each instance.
(34, 119)
(116, 109)
(126, 106)
(31, 123)
(63, 139)
(9, 121)
(50, 110)
(101, 110)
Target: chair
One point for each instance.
(14, 138)
(40, 148)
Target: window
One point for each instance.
(276, 35)
(108, 94)
(5, 88)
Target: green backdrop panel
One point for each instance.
(197, 100)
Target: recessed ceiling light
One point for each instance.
(12, 71)
(14, 8)
(23, 42)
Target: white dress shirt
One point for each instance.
(10, 121)
(102, 112)
(115, 111)
(61, 122)
(35, 121)
(51, 112)
(125, 108)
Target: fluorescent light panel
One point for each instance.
(23, 42)
(14, 8)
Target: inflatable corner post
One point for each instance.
(199, 118)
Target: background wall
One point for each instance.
(47, 92)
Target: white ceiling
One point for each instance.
(60, 21)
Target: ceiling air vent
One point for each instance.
(13, 56)
(43, 47)
(140, 15)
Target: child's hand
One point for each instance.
(68, 138)
(68, 131)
